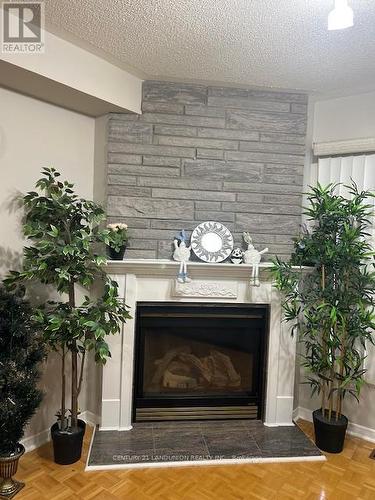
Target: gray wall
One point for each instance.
(207, 153)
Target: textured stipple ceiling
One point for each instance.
(272, 43)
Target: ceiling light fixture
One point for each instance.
(341, 16)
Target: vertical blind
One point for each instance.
(340, 170)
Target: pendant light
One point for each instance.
(341, 16)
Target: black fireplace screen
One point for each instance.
(199, 360)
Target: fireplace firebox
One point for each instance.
(199, 361)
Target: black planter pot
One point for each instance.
(113, 255)
(67, 446)
(329, 434)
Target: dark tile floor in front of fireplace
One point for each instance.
(198, 440)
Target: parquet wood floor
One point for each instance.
(347, 476)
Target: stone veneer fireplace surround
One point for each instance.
(148, 280)
(199, 153)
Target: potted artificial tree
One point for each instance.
(63, 230)
(21, 351)
(332, 306)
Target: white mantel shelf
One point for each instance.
(169, 269)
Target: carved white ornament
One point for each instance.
(206, 289)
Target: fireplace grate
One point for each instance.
(197, 413)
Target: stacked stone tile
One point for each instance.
(207, 153)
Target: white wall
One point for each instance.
(34, 134)
(345, 118)
(65, 63)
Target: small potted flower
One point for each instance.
(118, 238)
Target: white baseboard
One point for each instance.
(355, 430)
(90, 418)
(303, 413)
(128, 428)
(279, 424)
(295, 414)
(362, 432)
(36, 440)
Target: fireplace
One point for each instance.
(199, 361)
(145, 282)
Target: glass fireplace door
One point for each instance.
(195, 356)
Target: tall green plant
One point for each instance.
(332, 307)
(21, 351)
(64, 231)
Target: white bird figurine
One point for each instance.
(253, 257)
(182, 254)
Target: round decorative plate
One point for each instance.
(212, 242)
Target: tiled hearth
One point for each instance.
(194, 443)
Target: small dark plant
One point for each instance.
(332, 307)
(21, 351)
(64, 232)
